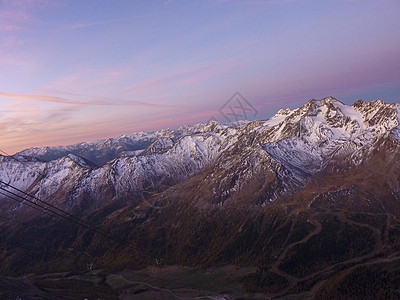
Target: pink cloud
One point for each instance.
(95, 101)
(39, 98)
(18, 15)
(12, 20)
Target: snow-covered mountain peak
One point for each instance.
(284, 112)
(316, 117)
(327, 132)
(330, 114)
(82, 162)
(100, 151)
(159, 145)
(378, 114)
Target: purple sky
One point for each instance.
(75, 71)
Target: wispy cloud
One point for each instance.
(95, 101)
(17, 22)
(12, 20)
(82, 25)
(39, 98)
(19, 15)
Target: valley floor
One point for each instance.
(165, 282)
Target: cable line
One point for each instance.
(46, 203)
(59, 212)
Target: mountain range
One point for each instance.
(308, 200)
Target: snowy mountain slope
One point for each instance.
(309, 137)
(101, 151)
(298, 144)
(71, 179)
(284, 151)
